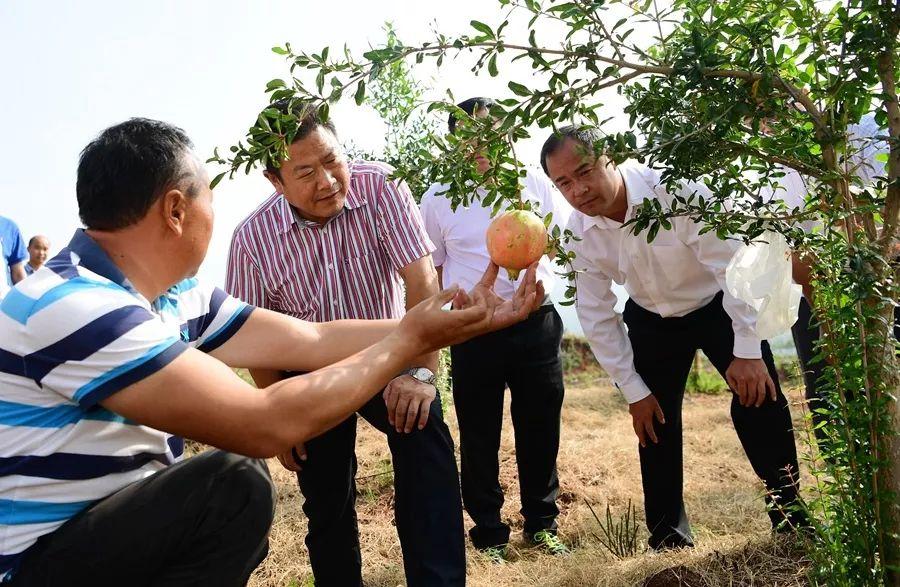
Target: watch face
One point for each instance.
(422, 374)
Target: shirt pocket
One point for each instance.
(362, 265)
(666, 262)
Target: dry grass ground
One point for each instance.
(598, 464)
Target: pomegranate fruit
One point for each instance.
(515, 240)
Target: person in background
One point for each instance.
(12, 255)
(524, 357)
(38, 250)
(793, 189)
(678, 304)
(341, 240)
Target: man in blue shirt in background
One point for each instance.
(12, 259)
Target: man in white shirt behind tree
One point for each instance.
(524, 357)
(677, 304)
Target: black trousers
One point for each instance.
(203, 521)
(664, 350)
(525, 357)
(805, 332)
(427, 507)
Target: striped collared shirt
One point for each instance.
(71, 335)
(346, 268)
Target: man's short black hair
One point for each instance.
(32, 239)
(123, 171)
(586, 135)
(470, 107)
(309, 114)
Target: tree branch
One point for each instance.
(619, 80)
(778, 160)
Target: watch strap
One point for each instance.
(423, 374)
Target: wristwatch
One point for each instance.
(422, 374)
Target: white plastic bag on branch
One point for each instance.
(760, 275)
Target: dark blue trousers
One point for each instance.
(427, 506)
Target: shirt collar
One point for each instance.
(286, 216)
(95, 259)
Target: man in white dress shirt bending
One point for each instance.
(677, 304)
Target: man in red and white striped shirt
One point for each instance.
(340, 240)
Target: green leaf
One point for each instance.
(275, 84)
(492, 65)
(280, 50)
(384, 54)
(565, 6)
(262, 121)
(360, 94)
(216, 180)
(518, 89)
(482, 28)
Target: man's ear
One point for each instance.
(274, 180)
(173, 206)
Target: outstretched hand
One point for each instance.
(474, 313)
(528, 297)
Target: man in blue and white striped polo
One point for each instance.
(113, 351)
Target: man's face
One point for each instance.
(315, 178)
(482, 163)
(38, 250)
(198, 221)
(588, 183)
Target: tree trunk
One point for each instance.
(891, 557)
(891, 483)
(889, 476)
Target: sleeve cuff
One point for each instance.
(404, 258)
(221, 336)
(747, 347)
(438, 257)
(635, 390)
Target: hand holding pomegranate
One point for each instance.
(478, 312)
(505, 312)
